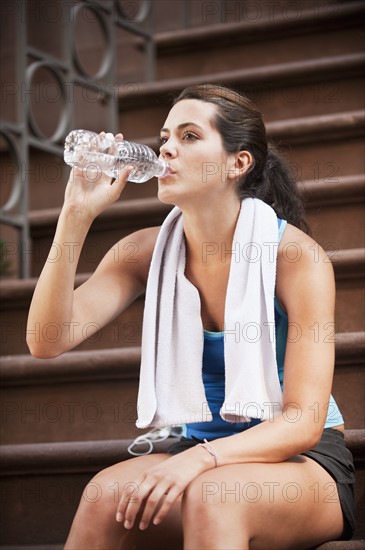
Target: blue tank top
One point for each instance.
(214, 380)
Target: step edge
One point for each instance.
(150, 208)
(68, 457)
(335, 191)
(348, 263)
(334, 124)
(61, 457)
(278, 74)
(20, 291)
(342, 187)
(342, 15)
(152, 205)
(340, 190)
(74, 366)
(313, 129)
(122, 363)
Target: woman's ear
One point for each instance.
(242, 162)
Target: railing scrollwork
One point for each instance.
(67, 72)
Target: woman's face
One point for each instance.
(193, 148)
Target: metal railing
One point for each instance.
(68, 72)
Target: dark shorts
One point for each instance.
(332, 454)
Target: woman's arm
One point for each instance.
(306, 290)
(59, 315)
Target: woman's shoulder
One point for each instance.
(143, 241)
(296, 247)
(304, 270)
(145, 238)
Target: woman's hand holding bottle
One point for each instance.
(89, 192)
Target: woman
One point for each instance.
(239, 478)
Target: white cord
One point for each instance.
(155, 435)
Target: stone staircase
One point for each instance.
(66, 418)
(56, 473)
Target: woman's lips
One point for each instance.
(170, 172)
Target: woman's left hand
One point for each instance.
(169, 479)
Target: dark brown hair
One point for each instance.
(241, 127)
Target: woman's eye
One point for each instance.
(189, 136)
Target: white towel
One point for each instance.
(171, 389)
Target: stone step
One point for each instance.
(260, 25)
(216, 30)
(324, 99)
(349, 378)
(320, 136)
(329, 199)
(258, 42)
(328, 196)
(42, 484)
(119, 220)
(285, 90)
(142, 116)
(323, 148)
(125, 330)
(85, 395)
(249, 35)
(78, 396)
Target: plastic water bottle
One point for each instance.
(86, 149)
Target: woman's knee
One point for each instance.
(201, 498)
(235, 491)
(99, 498)
(95, 524)
(210, 519)
(103, 492)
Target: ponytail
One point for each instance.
(277, 187)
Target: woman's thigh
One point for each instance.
(292, 504)
(95, 524)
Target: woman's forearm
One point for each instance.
(274, 440)
(50, 314)
(52, 325)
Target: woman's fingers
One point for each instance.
(121, 180)
(132, 504)
(152, 503)
(117, 136)
(169, 501)
(131, 494)
(152, 496)
(170, 497)
(147, 495)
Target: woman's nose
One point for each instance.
(167, 149)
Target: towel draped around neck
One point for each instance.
(171, 389)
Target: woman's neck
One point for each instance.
(210, 229)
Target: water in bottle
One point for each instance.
(86, 149)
